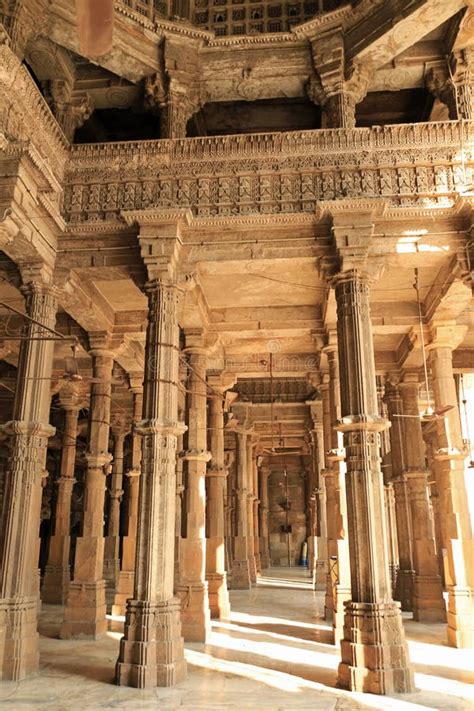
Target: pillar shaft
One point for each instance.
(428, 602)
(405, 575)
(29, 430)
(320, 564)
(193, 587)
(129, 543)
(240, 566)
(263, 510)
(152, 650)
(112, 540)
(335, 482)
(57, 573)
(374, 653)
(250, 519)
(84, 614)
(453, 491)
(256, 520)
(216, 575)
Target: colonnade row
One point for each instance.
(161, 606)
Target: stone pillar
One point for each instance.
(320, 565)
(326, 475)
(216, 575)
(335, 482)
(230, 485)
(250, 521)
(405, 575)
(152, 649)
(29, 431)
(373, 650)
(263, 524)
(240, 565)
(57, 574)
(85, 610)
(452, 490)
(256, 519)
(193, 588)
(428, 601)
(129, 543)
(112, 540)
(389, 499)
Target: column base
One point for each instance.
(84, 614)
(460, 617)
(428, 601)
(404, 589)
(252, 569)
(19, 639)
(219, 602)
(258, 563)
(374, 653)
(320, 575)
(124, 592)
(342, 595)
(241, 575)
(195, 613)
(55, 586)
(151, 650)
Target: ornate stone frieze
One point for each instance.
(418, 165)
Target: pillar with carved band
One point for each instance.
(256, 521)
(391, 521)
(240, 565)
(112, 540)
(127, 572)
(152, 648)
(57, 574)
(250, 520)
(263, 511)
(339, 560)
(29, 431)
(428, 601)
(193, 587)
(452, 486)
(326, 475)
(216, 575)
(319, 571)
(373, 650)
(85, 610)
(230, 485)
(403, 591)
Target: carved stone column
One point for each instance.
(320, 564)
(389, 499)
(129, 543)
(112, 540)
(152, 649)
(250, 521)
(216, 575)
(256, 520)
(428, 601)
(405, 575)
(263, 509)
(85, 610)
(336, 486)
(373, 650)
(57, 574)
(240, 566)
(326, 475)
(230, 485)
(452, 490)
(193, 588)
(29, 431)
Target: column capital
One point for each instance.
(446, 335)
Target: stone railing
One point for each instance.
(146, 8)
(417, 165)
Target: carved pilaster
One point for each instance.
(71, 108)
(240, 566)
(264, 475)
(373, 650)
(84, 613)
(29, 431)
(428, 601)
(112, 540)
(152, 651)
(57, 574)
(193, 587)
(216, 476)
(129, 543)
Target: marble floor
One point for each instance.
(273, 653)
